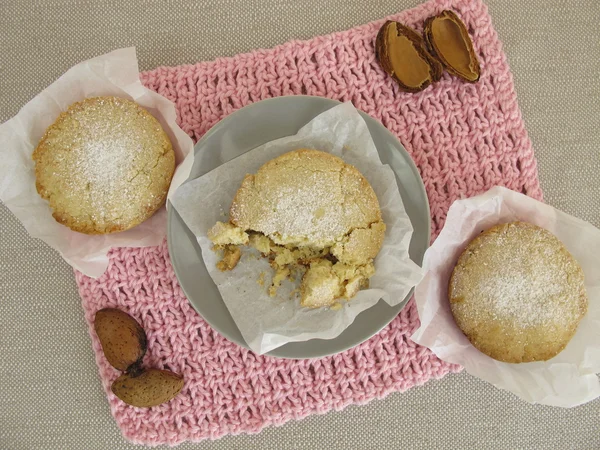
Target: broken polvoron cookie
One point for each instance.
(403, 55)
(308, 211)
(448, 40)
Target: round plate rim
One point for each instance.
(280, 352)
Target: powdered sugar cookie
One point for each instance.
(105, 165)
(517, 293)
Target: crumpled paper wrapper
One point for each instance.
(267, 323)
(569, 379)
(113, 74)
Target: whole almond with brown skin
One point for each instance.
(448, 39)
(123, 339)
(403, 55)
(150, 388)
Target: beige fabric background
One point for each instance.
(50, 393)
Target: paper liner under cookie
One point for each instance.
(267, 323)
(112, 74)
(567, 380)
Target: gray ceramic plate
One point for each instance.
(253, 126)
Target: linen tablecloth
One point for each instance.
(49, 388)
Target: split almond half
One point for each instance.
(448, 39)
(403, 55)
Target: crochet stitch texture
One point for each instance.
(464, 138)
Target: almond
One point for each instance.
(123, 339)
(150, 388)
(403, 55)
(448, 39)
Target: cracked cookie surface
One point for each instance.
(305, 198)
(105, 165)
(310, 212)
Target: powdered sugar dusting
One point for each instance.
(305, 197)
(296, 211)
(519, 275)
(524, 299)
(109, 163)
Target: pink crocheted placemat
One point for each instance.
(465, 138)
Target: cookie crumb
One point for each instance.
(231, 256)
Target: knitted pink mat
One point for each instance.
(465, 138)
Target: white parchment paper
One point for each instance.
(567, 380)
(113, 74)
(267, 323)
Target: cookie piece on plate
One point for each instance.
(309, 211)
